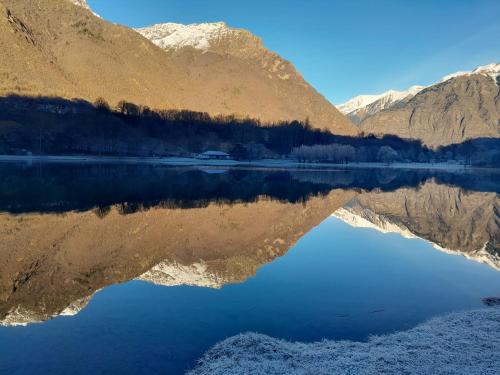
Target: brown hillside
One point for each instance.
(53, 47)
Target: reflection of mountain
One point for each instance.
(452, 219)
(47, 261)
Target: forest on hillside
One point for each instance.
(55, 126)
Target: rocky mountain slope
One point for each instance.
(452, 219)
(462, 106)
(59, 48)
(242, 70)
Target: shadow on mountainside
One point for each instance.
(56, 126)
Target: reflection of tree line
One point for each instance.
(127, 208)
(62, 188)
(58, 126)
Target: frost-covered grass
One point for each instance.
(460, 343)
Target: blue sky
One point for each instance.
(346, 48)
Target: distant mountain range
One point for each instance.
(60, 48)
(461, 106)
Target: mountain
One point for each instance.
(244, 72)
(461, 106)
(59, 48)
(452, 219)
(361, 107)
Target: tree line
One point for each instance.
(45, 125)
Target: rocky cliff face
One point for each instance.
(458, 109)
(461, 106)
(47, 262)
(452, 219)
(54, 47)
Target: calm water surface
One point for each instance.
(139, 270)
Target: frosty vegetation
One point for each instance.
(339, 153)
(460, 343)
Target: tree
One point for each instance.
(239, 152)
(128, 109)
(102, 105)
(387, 154)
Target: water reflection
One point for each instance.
(453, 219)
(68, 232)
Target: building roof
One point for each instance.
(214, 153)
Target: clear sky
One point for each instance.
(345, 48)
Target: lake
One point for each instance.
(136, 269)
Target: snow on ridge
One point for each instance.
(392, 96)
(387, 98)
(458, 343)
(83, 4)
(357, 102)
(490, 70)
(175, 36)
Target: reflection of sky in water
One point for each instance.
(337, 282)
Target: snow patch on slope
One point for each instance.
(459, 343)
(176, 36)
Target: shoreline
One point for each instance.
(265, 163)
(464, 342)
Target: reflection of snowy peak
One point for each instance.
(371, 220)
(21, 316)
(365, 218)
(173, 274)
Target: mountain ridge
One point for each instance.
(461, 106)
(57, 48)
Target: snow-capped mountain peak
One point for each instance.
(82, 3)
(490, 70)
(364, 106)
(382, 101)
(358, 102)
(175, 36)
